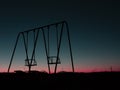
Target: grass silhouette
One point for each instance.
(66, 80)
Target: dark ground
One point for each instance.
(62, 81)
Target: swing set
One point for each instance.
(51, 60)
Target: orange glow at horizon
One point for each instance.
(68, 69)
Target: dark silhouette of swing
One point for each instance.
(30, 62)
(51, 60)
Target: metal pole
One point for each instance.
(48, 42)
(46, 49)
(26, 49)
(58, 50)
(27, 43)
(71, 55)
(13, 52)
(57, 34)
(35, 43)
(44, 26)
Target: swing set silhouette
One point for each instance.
(60, 27)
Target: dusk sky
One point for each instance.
(94, 30)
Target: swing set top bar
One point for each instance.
(44, 26)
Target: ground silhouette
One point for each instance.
(64, 80)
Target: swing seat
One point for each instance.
(53, 60)
(28, 62)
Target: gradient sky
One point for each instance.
(94, 29)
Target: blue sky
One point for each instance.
(94, 29)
